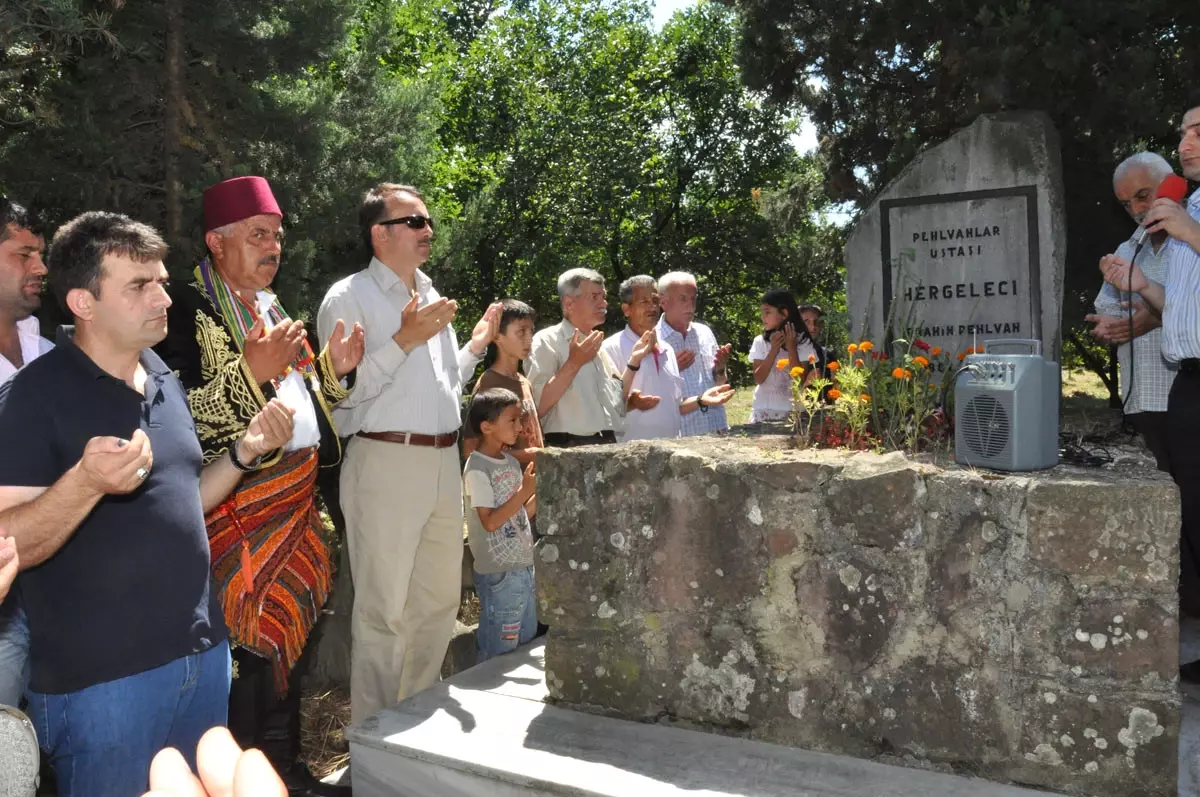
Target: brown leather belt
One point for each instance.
(413, 439)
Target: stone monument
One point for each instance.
(968, 243)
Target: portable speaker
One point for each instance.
(1006, 409)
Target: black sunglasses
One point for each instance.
(412, 222)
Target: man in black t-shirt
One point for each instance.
(104, 491)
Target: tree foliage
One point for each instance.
(547, 134)
(290, 89)
(883, 80)
(578, 136)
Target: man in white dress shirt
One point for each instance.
(401, 482)
(655, 373)
(22, 272)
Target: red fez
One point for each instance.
(237, 199)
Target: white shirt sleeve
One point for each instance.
(378, 366)
(542, 364)
(759, 349)
(479, 489)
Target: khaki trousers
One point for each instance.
(404, 524)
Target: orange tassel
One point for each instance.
(247, 569)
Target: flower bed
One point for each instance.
(876, 402)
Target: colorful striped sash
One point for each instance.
(270, 525)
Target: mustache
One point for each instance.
(272, 260)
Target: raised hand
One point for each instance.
(419, 324)
(1114, 330)
(716, 396)
(113, 466)
(487, 328)
(789, 336)
(584, 349)
(1122, 274)
(270, 429)
(9, 564)
(1167, 215)
(639, 401)
(268, 354)
(346, 351)
(776, 340)
(684, 358)
(646, 345)
(722, 356)
(528, 480)
(224, 769)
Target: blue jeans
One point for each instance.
(14, 651)
(101, 739)
(507, 611)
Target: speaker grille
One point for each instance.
(986, 429)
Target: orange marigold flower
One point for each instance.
(907, 374)
(932, 386)
(781, 364)
(853, 347)
(834, 393)
(812, 358)
(921, 361)
(833, 365)
(898, 372)
(865, 397)
(859, 362)
(962, 355)
(936, 351)
(866, 345)
(797, 372)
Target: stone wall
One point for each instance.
(1022, 628)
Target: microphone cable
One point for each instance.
(1129, 314)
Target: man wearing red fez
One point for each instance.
(235, 348)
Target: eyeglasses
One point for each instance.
(412, 222)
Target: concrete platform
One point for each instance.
(487, 733)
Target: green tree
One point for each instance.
(883, 80)
(172, 100)
(578, 136)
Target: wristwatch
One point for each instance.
(237, 463)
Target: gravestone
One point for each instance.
(968, 243)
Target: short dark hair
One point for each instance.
(374, 207)
(80, 246)
(812, 308)
(514, 310)
(16, 215)
(1193, 100)
(487, 406)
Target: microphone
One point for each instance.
(1172, 187)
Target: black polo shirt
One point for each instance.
(129, 591)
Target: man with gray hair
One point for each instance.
(650, 367)
(701, 360)
(1145, 376)
(576, 385)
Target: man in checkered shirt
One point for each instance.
(1146, 377)
(701, 360)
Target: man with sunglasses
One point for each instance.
(401, 483)
(235, 348)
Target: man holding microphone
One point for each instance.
(1179, 302)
